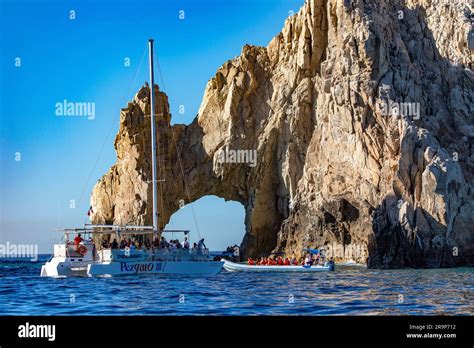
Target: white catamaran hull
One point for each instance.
(239, 267)
(155, 267)
(60, 266)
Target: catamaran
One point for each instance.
(88, 251)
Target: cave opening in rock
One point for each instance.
(221, 223)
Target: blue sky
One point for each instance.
(82, 60)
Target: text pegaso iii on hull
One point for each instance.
(108, 250)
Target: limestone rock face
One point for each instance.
(352, 130)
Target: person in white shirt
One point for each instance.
(185, 243)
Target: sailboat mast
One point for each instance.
(153, 138)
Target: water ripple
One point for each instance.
(348, 291)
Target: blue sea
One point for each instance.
(351, 290)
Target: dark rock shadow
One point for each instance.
(420, 240)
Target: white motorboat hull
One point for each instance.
(239, 267)
(155, 267)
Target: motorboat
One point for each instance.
(326, 266)
(242, 267)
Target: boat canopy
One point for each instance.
(176, 231)
(116, 229)
(313, 251)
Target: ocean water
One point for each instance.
(351, 290)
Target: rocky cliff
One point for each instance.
(353, 129)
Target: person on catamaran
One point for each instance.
(162, 243)
(78, 240)
(286, 262)
(251, 262)
(308, 261)
(185, 243)
(201, 244)
(114, 244)
(279, 261)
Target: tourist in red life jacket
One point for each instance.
(251, 262)
(264, 261)
(274, 263)
(287, 262)
(280, 261)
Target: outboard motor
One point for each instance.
(332, 266)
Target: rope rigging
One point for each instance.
(161, 162)
(113, 124)
(178, 154)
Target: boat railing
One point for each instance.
(181, 254)
(129, 254)
(70, 250)
(133, 255)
